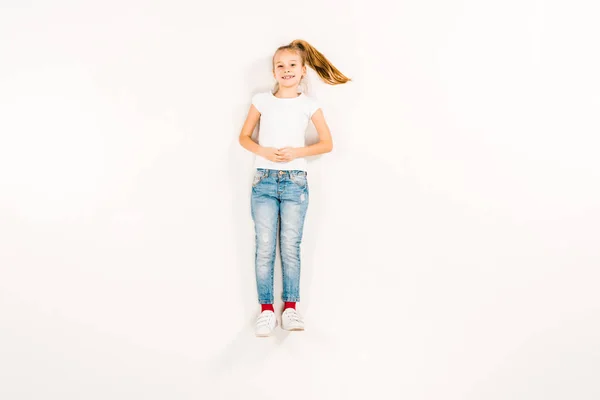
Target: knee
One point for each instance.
(263, 271)
(265, 243)
(290, 246)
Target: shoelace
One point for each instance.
(264, 319)
(293, 315)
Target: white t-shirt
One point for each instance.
(283, 123)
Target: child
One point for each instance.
(280, 188)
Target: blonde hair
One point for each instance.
(316, 60)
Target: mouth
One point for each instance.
(286, 77)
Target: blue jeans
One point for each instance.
(278, 197)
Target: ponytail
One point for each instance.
(317, 61)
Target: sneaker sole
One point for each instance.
(292, 329)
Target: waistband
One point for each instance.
(277, 172)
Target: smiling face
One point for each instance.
(288, 68)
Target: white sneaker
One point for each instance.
(291, 320)
(265, 323)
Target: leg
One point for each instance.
(265, 213)
(294, 205)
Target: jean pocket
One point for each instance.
(299, 178)
(258, 177)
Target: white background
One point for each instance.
(451, 245)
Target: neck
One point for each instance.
(287, 92)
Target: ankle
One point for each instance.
(265, 307)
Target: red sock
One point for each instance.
(267, 307)
(290, 304)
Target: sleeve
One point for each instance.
(313, 106)
(257, 101)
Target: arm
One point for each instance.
(246, 141)
(246, 133)
(324, 145)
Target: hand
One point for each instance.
(288, 153)
(271, 154)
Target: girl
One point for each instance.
(280, 188)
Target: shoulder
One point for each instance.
(311, 100)
(259, 99)
(259, 96)
(312, 104)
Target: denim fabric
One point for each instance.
(278, 197)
